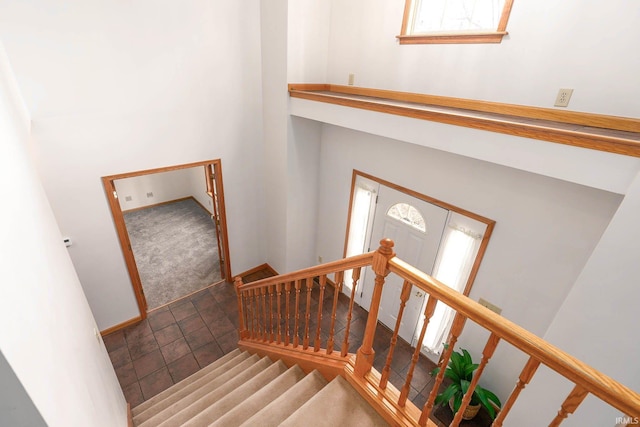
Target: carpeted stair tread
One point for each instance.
(286, 404)
(336, 404)
(260, 398)
(237, 396)
(202, 387)
(191, 379)
(180, 412)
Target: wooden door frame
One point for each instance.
(123, 235)
(483, 244)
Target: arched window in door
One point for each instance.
(409, 215)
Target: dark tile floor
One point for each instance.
(177, 340)
(174, 342)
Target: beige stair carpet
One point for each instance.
(285, 405)
(244, 390)
(172, 405)
(147, 409)
(337, 404)
(260, 399)
(237, 396)
(180, 412)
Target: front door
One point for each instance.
(416, 227)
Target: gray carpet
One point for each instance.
(175, 249)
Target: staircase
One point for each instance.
(241, 389)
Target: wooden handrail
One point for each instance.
(328, 268)
(595, 382)
(256, 331)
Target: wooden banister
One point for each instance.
(328, 268)
(258, 312)
(566, 365)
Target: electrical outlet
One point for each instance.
(483, 302)
(128, 198)
(352, 78)
(564, 95)
(319, 259)
(149, 194)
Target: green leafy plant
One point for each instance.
(460, 371)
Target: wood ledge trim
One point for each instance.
(460, 38)
(503, 118)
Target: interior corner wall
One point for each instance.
(273, 23)
(198, 187)
(545, 228)
(127, 92)
(302, 202)
(165, 187)
(48, 335)
(16, 407)
(597, 322)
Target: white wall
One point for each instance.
(48, 335)
(273, 32)
(597, 321)
(198, 187)
(545, 228)
(568, 44)
(165, 186)
(116, 87)
(16, 407)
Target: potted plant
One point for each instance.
(460, 371)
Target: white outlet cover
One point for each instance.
(564, 95)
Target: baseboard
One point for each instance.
(261, 267)
(182, 199)
(120, 326)
(129, 416)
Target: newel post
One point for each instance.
(365, 354)
(242, 331)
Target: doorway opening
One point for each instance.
(172, 228)
(440, 239)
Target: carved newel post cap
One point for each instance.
(386, 246)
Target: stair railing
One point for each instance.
(265, 325)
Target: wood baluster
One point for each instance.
(404, 297)
(271, 314)
(254, 326)
(345, 343)
(279, 314)
(569, 405)
(456, 330)
(307, 317)
(256, 300)
(296, 338)
(265, 332)
(241, 321)
(339, 278)
(323, 284)
(247, 306)
(487, 353)
(380, 262)
(428, 313)
(525, 376)
(287, 293)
